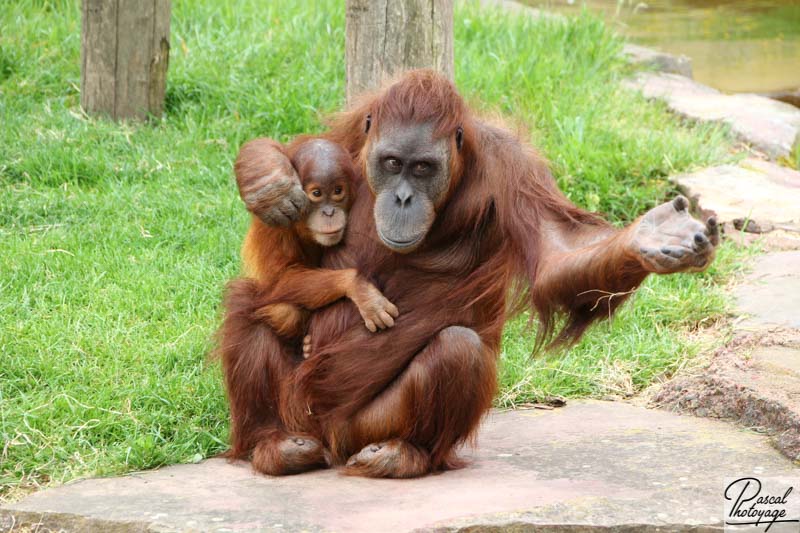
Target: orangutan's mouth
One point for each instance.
(400, 246)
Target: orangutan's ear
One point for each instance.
(459, 138)
(369, 123)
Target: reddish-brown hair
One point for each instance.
(487, 256)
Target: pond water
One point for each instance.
(735, 45)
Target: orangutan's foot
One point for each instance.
(395, 458)
(280, 454)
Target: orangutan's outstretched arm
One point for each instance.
(588, 270)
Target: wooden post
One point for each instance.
(124, 57)
(386, 37)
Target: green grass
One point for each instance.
(648, 340)
(117, 239)
(794, 159)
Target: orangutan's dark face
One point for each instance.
(409, 173)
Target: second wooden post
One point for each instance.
(385, 37)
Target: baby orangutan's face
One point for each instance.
(326, 173)
(327, 215)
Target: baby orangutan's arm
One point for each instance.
(312, 288)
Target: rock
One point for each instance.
(749, 225)
(754, 381)
(657, 60)
(789, 97)
(771, 294)
(774, 241)
(590, 464)
(768, 125)
(759, 191)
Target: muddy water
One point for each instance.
(735, 45)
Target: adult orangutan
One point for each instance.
(461, 225)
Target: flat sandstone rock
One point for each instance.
(755, 379)
(770, 126)
(592, 464)
(770, 297)
(760, 191)
(658, 60)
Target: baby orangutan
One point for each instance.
(283, 256)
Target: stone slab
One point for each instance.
(754, 380)
(775, 240)
(780, 360)
(770, 296)
(658, 60)
(791, 97)
(760, 191)
(768, 125)
(590, 465)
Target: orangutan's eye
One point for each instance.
(422, 168)
(337, 190)
(316, 192)
(393, 165)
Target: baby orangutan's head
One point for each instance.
(327, 174)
